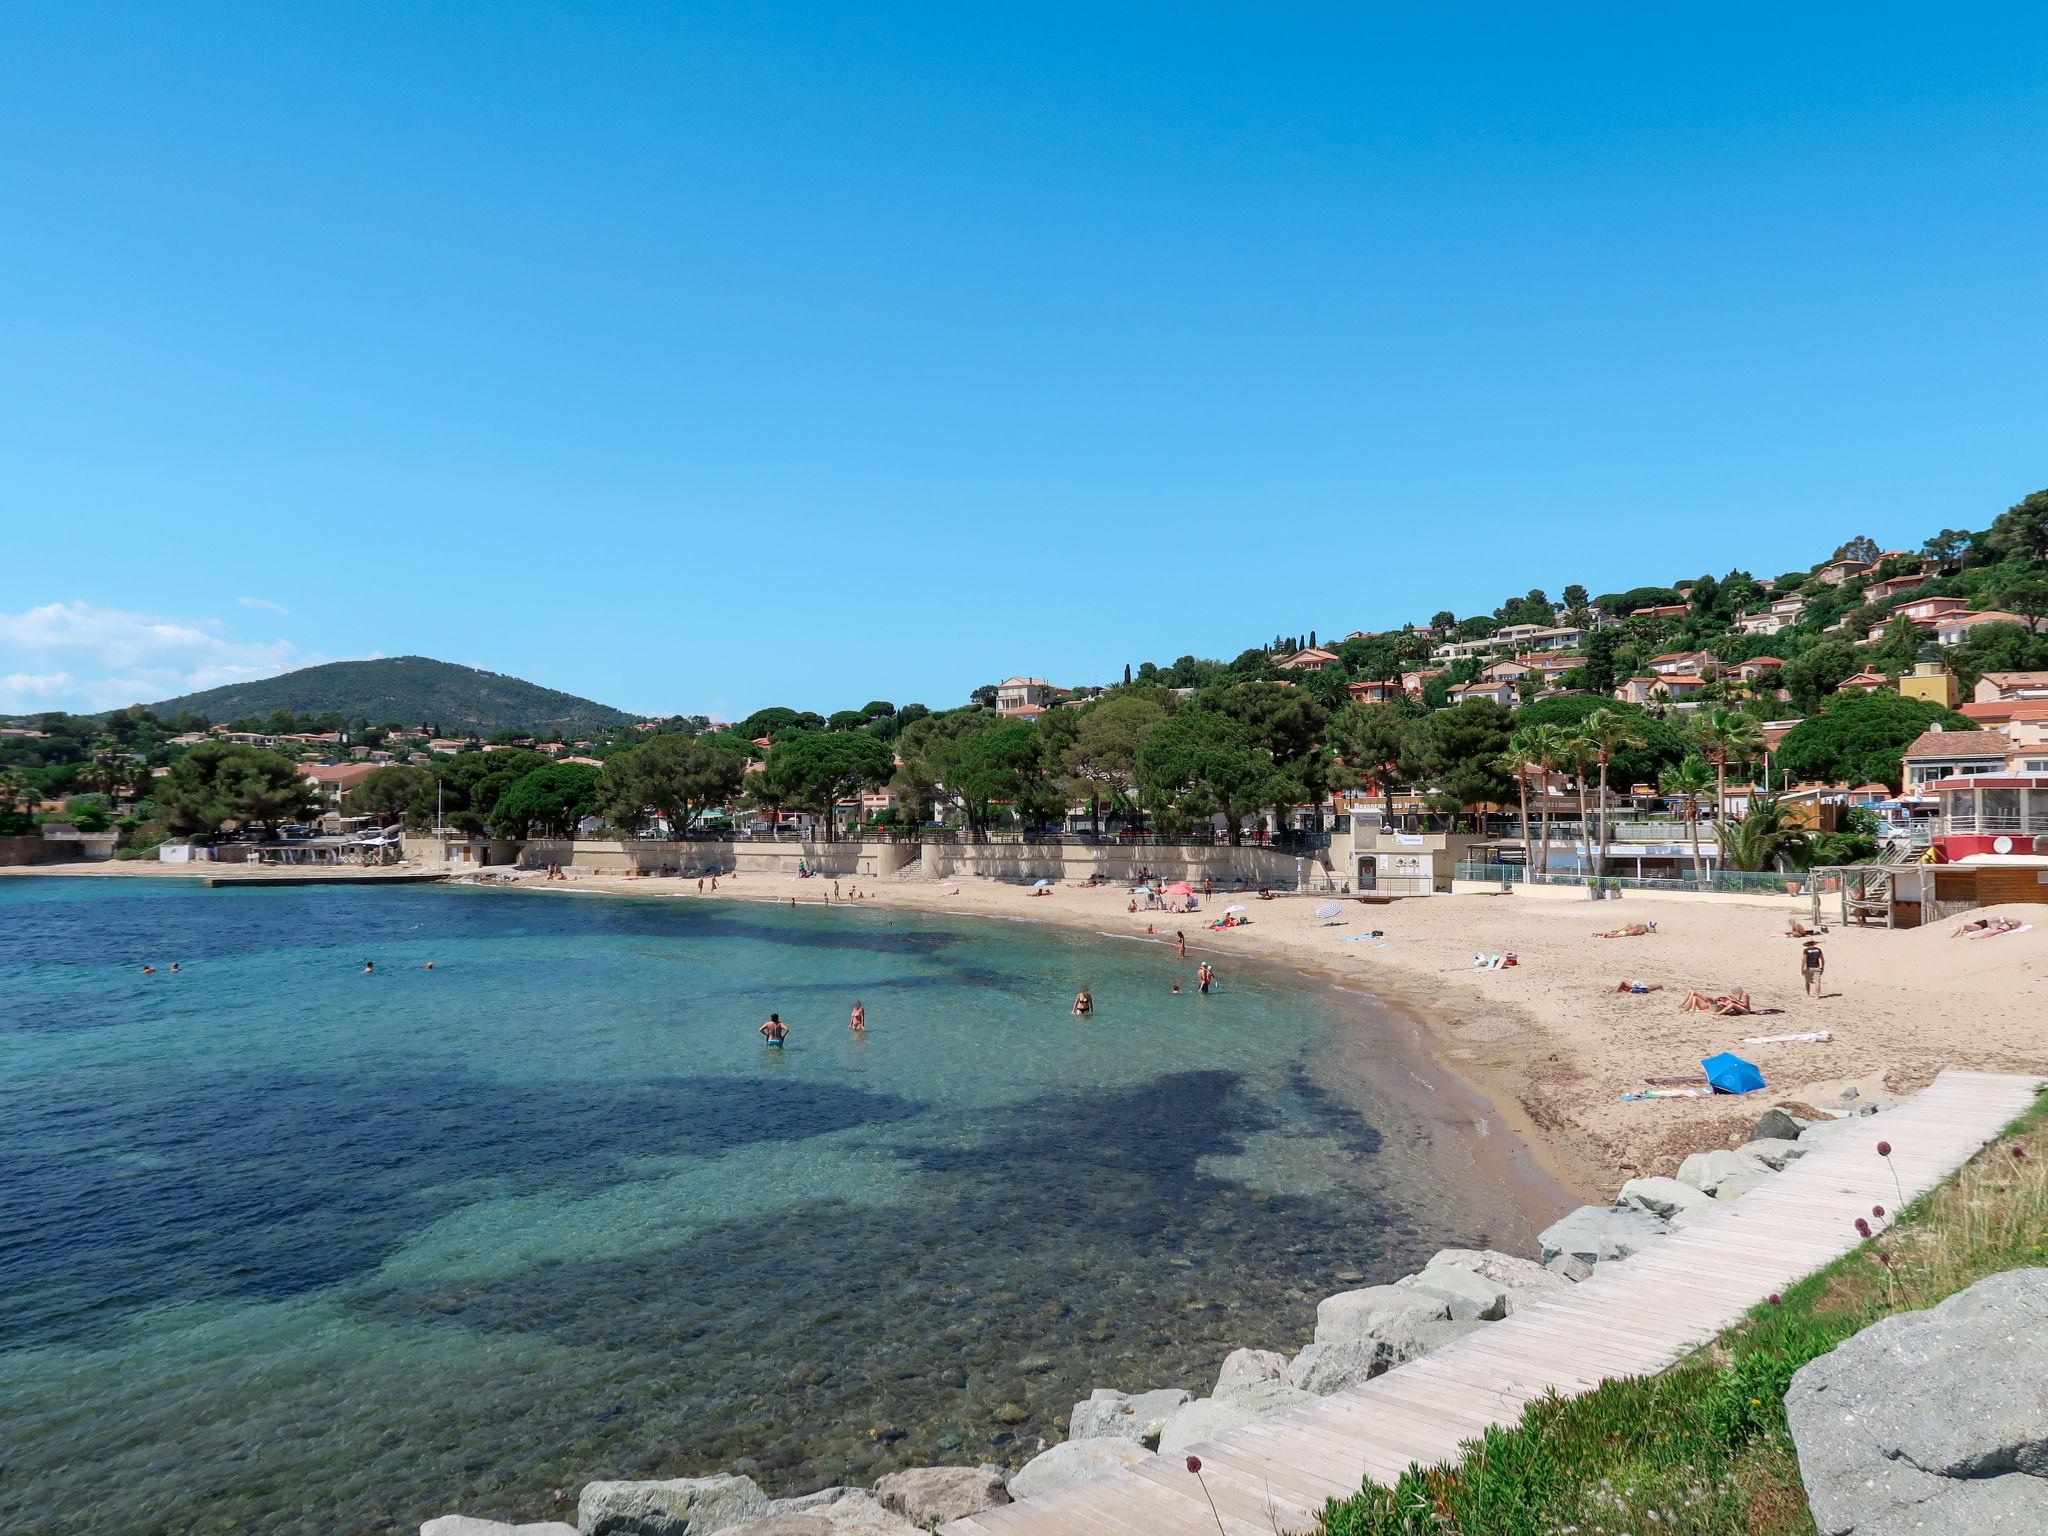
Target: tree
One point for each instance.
(1764, 837)
(1575, 596)
(1663, 743)
(2021, 531)
(679, 778)
(777, 717)
(216, 783)
(466, 787)
(1686, 782)
(874, 709)
(815, 771)
(984, 697)
(2022, 592)
(1203, 760)
(1996, 648)
(1102, 759)
(1863, 547)
(1288, 723)
(1812, 676)
(387, 792)
(1947, 546)
(1607, 732)
(1599, 668)
(1443, 621)
(1520, 760)
(1725, 737)
(1860, 738)
(547, 802)
(1458, 752)
(1368, 737)
(1545, 745)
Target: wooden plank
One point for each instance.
(1634, 1318)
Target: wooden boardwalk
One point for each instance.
(1630, 1319)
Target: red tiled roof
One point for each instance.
(1941, 744)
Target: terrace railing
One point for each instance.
(1727, 882)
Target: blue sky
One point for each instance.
(705, 357)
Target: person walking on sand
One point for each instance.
(859, 1023)
(774, 1031)
(1812, 966)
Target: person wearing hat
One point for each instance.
(1812, 963)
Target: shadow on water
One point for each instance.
(266, 1185)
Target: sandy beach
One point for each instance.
(1549, 1042)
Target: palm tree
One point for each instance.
(1763, 838)
(1608, 732)
(1687, 782)
(1546, 750)
(1725, 737)
(1518, 760)
(1574, 752)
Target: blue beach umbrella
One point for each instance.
(1729, 1073)
(1329, 909)
(1039, 885)
(1143, 890)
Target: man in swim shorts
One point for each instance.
(774, 1031)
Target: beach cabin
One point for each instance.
(1387, 862)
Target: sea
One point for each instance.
(289, 1247)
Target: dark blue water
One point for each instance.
(288, 1248)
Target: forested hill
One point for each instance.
(408, 690)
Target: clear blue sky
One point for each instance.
(705, 357)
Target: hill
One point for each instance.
(412, 690)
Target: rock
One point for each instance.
(1499, 1283)
(1468, 1296)
(469, 1525)
(1775, 1152)
(1663, 1197)
(1832, 1133)
(1777, 1125)
(676, 1506)
(1708, 1172)
(1596, 1232)
(1012, 1413)
(1112, 1415)
(803, 1502)
(1931, 1421)
(1331, 1366)
(924, 1495)
(1571, 1266)
(1356, 1314)
(1071, 1462)
(1247, 1368)
(854, 1512)
(1207, 1417)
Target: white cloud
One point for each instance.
(262, 602)
(80, 656)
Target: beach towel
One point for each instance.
(1812, 1037)
(1999, 934)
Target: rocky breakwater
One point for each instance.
(1359, 1334)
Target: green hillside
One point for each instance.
(411, 690)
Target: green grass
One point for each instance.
(1702, 1449)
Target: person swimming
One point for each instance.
(368, 967)
(1084, 1005)
(774, 1031)
(149, 970)
(859, 1023)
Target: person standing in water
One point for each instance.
(1182, 940)
(1204, 977)
(774, 1031)
(1084, 1005)
(859, 1023)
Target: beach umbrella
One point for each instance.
(1729, 1073)
(1180, 888)
(1039, 885)
(1330, 909)
(1143, 890)
(1236, 906)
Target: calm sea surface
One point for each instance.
(287, 1248)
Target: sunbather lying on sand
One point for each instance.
(1799, 930)
(1639, 986)
(1628, 931)
(1983, 927)
(1727, 1005)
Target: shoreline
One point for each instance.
(1546, 1049)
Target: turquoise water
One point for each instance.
(289, 1248)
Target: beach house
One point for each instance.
(1026, 698)
(1994, 686)
(1936, 755)
(1311, 658)
(1951, 629)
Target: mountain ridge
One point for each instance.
(411, 690)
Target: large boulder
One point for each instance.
(1596, 1232)
(1664, 1197)
(676, 1506)
(1138, 1416)
(1332, 1365)
(1071, 1462)
(927, 1495)
(1723, 1174)
(1207, 1417)
(1775, 1152)
(469, 1525)
(1248, 1368)
(854, 1512)
(1777, 1125)
(1359, 1314)
(1932, 1421)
